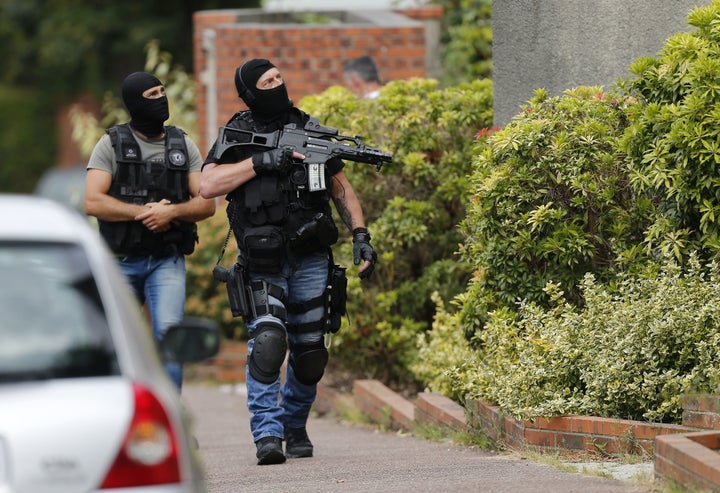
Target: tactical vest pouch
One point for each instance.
(336, 298)
(264, 200)
(181, 238)
(265, 249)
(121, 237)
(319, 233)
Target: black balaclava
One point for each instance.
(266, 104)
(147, 115)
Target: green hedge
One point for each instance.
(592, 230)
(629, 354)
(551, 201)
(673, 144)
(412, 209)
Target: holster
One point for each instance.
(234, 278)
(335, 298)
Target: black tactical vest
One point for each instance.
(139, 181)
(282, 201)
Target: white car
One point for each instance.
(85, 404)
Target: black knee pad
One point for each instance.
(308, 362)
(268, 352)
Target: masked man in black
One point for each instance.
(142, 185)
(284, 229)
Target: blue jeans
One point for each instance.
(303, 281)
(159, 282)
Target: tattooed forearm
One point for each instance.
(344, 212)
(346, 202)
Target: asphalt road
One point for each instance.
(358, 458)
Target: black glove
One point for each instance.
(362, 250)
(274, 161)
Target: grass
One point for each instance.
(437, 433)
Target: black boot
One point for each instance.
(297, 443)
(269, 451)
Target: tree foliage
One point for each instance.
(27, 138)
(65, 47)
(466, 38)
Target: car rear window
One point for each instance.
(52, 322)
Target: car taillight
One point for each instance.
(148, 454)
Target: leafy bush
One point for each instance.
(551, 201)
(673, 144)
(412, 209)
(630, 353)
(574, 203)
(444, 358)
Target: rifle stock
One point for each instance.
(316, 142)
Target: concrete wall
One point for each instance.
(560, 44)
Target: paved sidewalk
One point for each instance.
(357, 458)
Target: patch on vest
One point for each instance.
(130, 151)
(177, 157)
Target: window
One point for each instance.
(52, 322)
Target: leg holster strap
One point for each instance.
(260, 293)
(317, 326)
(316, 302)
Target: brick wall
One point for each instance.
(692, 459)
(310, 56)
(701, 411)
(228, 366)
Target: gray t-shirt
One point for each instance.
(103, 155)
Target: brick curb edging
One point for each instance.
(581, 433)
(690, 459)
(681, 452)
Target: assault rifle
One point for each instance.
(316, 142)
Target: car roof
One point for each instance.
(33, 218)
